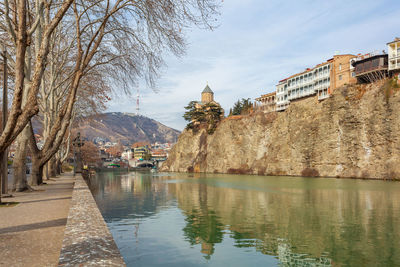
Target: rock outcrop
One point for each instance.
(354, 133)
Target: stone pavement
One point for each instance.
(31, 233)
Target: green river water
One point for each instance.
(177, 219)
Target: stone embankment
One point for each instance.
(354, 133)
(87, 240)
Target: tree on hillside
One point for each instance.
(214, 114)
(193, 115)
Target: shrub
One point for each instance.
(310, 172)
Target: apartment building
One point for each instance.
(320, 81)
(343, 71)
(394, 56)
(266, 103)
(282, 101)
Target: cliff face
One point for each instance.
(355, 133)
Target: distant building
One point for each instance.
(282, 100)
(142, 153)
(127, 154)
(159, 154)
(140, 144)
(394, 57)
(342, 71)
(266, 103)
(207, 96)
(321, 80)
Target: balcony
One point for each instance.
(323, 96)
(283, 102)
(281, 107)
(394, 66)
(304, 93)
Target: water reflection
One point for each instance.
(177, 219)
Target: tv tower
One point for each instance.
(137, 102)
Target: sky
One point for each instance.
(258, 43)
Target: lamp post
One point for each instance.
(4, 155)
(77, 143)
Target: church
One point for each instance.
(207, 96)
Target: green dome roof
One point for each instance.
(207, 90)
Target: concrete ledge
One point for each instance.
(87, 240)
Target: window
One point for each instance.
(353, 74)
(340, 66)
(340, 77)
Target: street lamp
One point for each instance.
(77, 143)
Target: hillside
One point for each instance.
(354, 133)
(127, 128)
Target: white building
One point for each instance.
(282, 101)
(127, 154)
(307, 83)
(394, 55)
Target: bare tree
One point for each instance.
(126, 40)
(120, 39)
(20, 32)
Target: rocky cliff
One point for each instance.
(354, 133)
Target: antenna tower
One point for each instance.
(137, 102)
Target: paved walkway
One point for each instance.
(31, 233)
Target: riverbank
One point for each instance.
(87, 240)
(31, 232)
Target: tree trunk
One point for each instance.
(3, 171)
(53, 167)
(37, 172)
(58, 166)
(20, 181)
(45, 172)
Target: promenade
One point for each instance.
(32, 232)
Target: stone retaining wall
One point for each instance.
(87, 240)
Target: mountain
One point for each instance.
(126, 128)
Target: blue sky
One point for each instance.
(260, 42)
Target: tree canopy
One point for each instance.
(210, 114)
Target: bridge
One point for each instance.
(144, 163)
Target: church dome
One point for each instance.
(207, 90)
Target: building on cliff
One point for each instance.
(205, 114)
(266, 103)
(394, 58)
(340, 70)
(371, 67)
(320, 81)
(207, 97)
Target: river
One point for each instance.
(177, 219)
